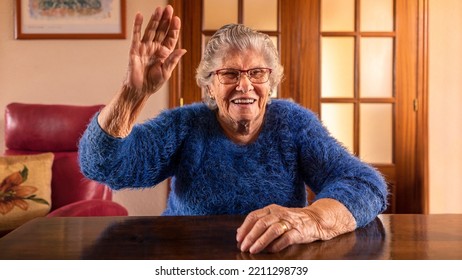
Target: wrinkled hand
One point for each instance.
(153, 56)
(274, 227)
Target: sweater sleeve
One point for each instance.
(333, 172)
(144, 158)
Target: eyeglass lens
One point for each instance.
(232, 76)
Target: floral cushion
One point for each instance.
(25, 188)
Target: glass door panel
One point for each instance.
(376, 67)
(337, 15)
(253, 11)
(339, 120)
(337, 66)
(214, 16)
(377, 15)
(376, 133)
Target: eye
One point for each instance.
(257, 72)
(229, 74)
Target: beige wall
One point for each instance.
(90, 71)
(73, 72)
(445, 98)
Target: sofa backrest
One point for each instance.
(40, 128)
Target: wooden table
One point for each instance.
(213, 237)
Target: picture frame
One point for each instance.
(79, 19)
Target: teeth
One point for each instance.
(243, 101)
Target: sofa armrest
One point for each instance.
(89, 208)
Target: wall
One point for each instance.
(445, 100)
(90, 71)
(77, 72)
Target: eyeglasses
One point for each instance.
(229, 76)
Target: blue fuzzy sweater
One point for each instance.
(213, 175)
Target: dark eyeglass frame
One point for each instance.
(247, 73)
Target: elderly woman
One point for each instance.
(239, 153)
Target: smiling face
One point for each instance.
(243, 103)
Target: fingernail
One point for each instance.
(238, 236)
(243, 247)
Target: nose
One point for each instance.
(244, 84)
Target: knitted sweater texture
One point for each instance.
(213, 175)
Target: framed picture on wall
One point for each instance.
(70, 19)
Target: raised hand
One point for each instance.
(152, 60)
(153, 56)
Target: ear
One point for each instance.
(210, 93)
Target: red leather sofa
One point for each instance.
(39, 128)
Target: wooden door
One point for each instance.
(365, 76)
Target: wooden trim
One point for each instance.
(175, 82)
(378, 34)
(300, 45)
(357, 80)
(407, 191)
(183, 87)
(405, 120)
(389, 173)
(422, 168)
(354, 34)
(356, 100)
(240, 11)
